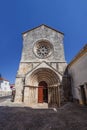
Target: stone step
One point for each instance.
(39, 105)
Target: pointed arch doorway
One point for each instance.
(44, 87)
(42, 92)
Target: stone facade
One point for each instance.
(42, 60)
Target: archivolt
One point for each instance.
(43, 74)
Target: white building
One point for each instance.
(4, 87)
(77, 70)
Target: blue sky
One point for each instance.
(17, 16)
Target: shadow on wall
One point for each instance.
(67, 86)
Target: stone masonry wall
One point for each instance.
(43, 33)
(29, 60)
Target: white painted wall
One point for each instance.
(4, 85)
(78, 72)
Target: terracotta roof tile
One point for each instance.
(3, 79)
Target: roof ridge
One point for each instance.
(45, 26)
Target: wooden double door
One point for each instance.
(42, 94)
(52, 93)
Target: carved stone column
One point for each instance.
(26, 95)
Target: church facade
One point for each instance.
(41, 68)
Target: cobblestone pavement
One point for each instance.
(69, 117)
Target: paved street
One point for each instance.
(68, 117)
(4, 98)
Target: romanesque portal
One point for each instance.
(41, 68)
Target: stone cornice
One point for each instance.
(42, 61)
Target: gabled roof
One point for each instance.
(3, 79)
(45, 26)
(79, 55)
